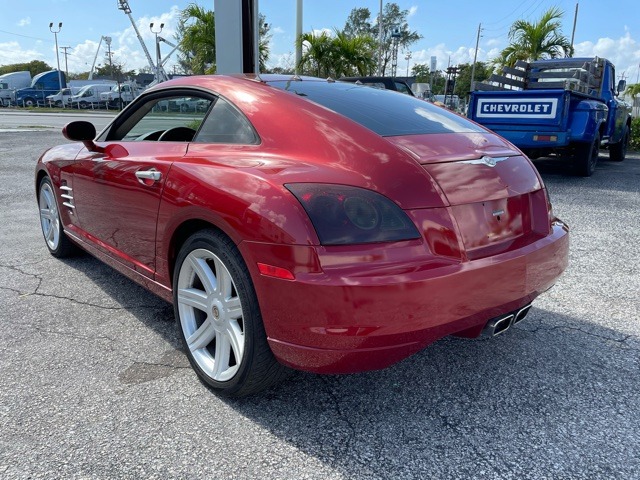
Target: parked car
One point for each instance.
(387, 83)
(304, 223)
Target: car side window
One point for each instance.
(174, 118)
(225, 124)
(401, 87)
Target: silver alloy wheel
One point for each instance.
(211, 315)
(49, 219)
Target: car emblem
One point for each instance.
(489, 161)
(486, 160)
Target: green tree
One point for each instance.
(34, 67)
(359, 23)
(196, 37)
(463, 82)
(116, 71)
(352, 55)
(336, 56)
(318, 56)
(422, 73)
(633, 90)
(536, 41)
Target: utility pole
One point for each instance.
(55, 34)
(573, 32)
(298, 35)
(108, 42)
(407, 57)
(475, 57)
(380, 72)
(66, 65)
(158, 58)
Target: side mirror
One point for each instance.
(81, 131)
(622, 84)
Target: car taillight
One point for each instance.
(343, 215)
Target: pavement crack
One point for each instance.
(341, 414)
(619, 341)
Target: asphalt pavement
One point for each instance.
(93, 384)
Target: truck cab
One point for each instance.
(42, 85)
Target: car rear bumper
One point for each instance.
(333, 321)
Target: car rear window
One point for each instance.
(385, 112)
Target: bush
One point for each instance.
(634, 144)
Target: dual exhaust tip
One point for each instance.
(501, 324)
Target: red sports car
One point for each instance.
(305, 223)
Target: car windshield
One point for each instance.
(384, 112)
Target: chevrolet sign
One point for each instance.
(517, 108)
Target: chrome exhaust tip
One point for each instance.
(499, 325)
(519, 316)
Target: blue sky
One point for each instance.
(448, 28)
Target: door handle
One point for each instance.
(153, 175)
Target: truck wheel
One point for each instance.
(83, 104)
(586, 156)
(29, 102)
(618, 151)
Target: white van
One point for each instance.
(62, 96)
(88, 96)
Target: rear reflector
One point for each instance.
(545, 138)
(277, 272)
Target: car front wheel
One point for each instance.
(218, 317)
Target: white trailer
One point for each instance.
(9, 82)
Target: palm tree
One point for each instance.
(536, 41)
(198, 39)
(197, 34)
(353, 55)
(318, 53)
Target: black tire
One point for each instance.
(84, 105)
(217, 326)
(184, 108)
(55, 239)
(586, 156)
(618, 151)
(29, 102)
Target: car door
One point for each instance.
(117, 192)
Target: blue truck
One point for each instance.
(565, 107)
(42, 85)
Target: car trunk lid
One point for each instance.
(494, 192)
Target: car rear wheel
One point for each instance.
(57, 242)
(218, 317)
(618, 151)
(586, 156)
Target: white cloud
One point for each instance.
(412, 10)
(24, 22)
(278, 30)
(12, 52)
(623, 52)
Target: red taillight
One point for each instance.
(277, 272)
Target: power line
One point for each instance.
(24, 36)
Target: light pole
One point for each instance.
(158, 60)
(55, 34)
(407, 57)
